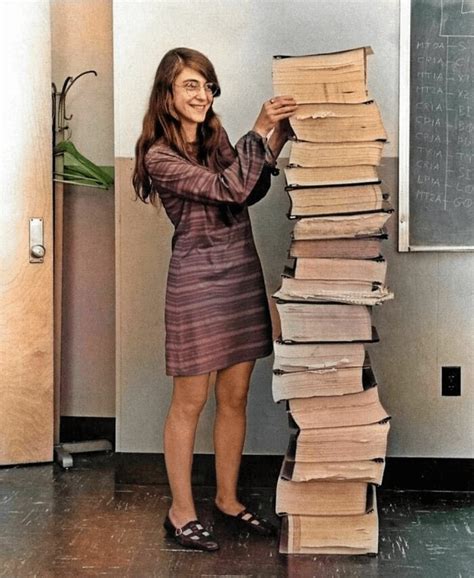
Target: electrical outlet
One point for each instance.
(450, 381)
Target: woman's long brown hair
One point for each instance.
(162, 121)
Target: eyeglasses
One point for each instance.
(192, 87)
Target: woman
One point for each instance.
(216, 313)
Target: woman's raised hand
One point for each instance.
(278, 108)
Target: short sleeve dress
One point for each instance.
(216, 308)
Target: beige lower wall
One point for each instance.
(428, 325)
(88, 309)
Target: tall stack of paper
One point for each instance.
(336, 455)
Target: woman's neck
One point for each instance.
(189, 132)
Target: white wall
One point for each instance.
(82, 40)
(240, 37)
(430, 322)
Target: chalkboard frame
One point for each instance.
(404, 244)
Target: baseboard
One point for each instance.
(80, 429)
(261, 471)
(442, 474)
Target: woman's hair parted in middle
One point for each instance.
(162, 121)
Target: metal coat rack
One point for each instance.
(58, 100)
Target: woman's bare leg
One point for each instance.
(189, 397)
(232, 384)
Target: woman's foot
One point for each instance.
(229, 507)
(243, 518)
(191, 535)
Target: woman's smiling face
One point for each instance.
(191, 100)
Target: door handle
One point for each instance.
(37, 249)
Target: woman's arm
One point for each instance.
(264, 181)
(275, 114)
(282, 133)
(261, 187)
(273, 121)
(173, 174)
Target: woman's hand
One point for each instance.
(275, 113)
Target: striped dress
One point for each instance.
(216, 311)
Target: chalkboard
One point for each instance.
(437, 187)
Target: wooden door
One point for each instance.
(26, 289)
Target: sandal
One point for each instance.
(191, 535)
(250, 521)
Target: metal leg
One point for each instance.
(63, 458)
(63, 451)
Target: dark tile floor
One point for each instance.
(81, 522)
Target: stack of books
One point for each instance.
(326, 491)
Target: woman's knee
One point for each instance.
(231, 401)
(189, 395)
(187, 409)
(232, 385)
